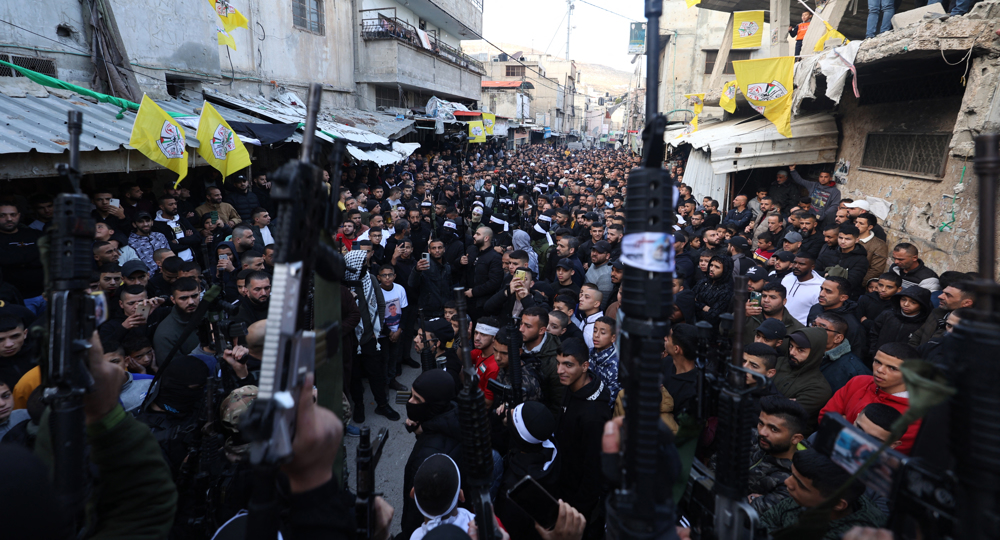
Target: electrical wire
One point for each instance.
(558, 28)
(609, 11)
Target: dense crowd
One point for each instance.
(533, 239)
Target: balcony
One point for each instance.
(386, 28)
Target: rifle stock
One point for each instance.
(476, 442)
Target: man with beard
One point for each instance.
(254, 307)
(483, 354)
(781, 426)
(432, 417)
(239, 196)
(145, 241)
(599, 273)
(802, 287)
(132, 202)
(771, 306)
(185, 295)
(834, 294)
(176, 229)
(714, 294)
(800, 377)
(596, 235)
(712, 243)
(213, 203)
(487, 265)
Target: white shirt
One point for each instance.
(801, 295)
(265, 233)
(395, 301)
(385, 236)
(587, 327)
(175, 226)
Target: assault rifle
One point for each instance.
(368, 456)
(476, 441)
(71, 323)
(427, 361)
(290, 346)
(195, 476)
(641, 506)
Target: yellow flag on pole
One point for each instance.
(225, 38)
(699, 104)
(830, 34)
(728, 98)
(477, 133)
(159, 137)
(767, 85)
(231, 18)
(748, 27)
(489, 120)
(693, 3)
(218, 143)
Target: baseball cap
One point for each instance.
(592, 216)
(793, 237)
(134, 266)
(756, 273)
(679, 237)
(801, 340)
(564, 263)
(602, 247)
(618, 265)
(859, 204)
(786, 256)
(141, 216)
(773, 329)
(738, 241)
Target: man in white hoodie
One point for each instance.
(803, 286)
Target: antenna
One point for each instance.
(569, 26)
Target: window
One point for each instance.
(912, 154)
(387, 97)
(308, 15)
(712, 56)
(41, 65)
(515, 71)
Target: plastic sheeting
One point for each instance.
(835, 64)
(704, 181)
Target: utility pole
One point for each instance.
(569, 26)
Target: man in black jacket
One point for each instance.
(487, 274)
(254, 307)
(432, 416)
(178, 230)
(238, 194)
(20, 260)
(432, 280)
(848, 257)
(586, 407)
(834, 296)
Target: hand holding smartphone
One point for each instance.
(531, 497)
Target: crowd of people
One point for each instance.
(533, 240)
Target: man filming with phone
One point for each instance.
(136, 306)
(432, 280)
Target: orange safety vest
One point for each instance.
(802, 31)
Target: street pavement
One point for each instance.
(389, 474)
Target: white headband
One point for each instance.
(522, 430)
(487, 329)
(450, 225)
(454, 501)
(544, 218)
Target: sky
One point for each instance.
(598, 37)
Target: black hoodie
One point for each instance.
(855, 263)
(892, 326)
(717, 294)
(441, 435)
(578, 438)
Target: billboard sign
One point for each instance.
(637, 38)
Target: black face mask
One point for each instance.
(419, 412)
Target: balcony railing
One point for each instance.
(383, 28)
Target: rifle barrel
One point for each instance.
(312, 112)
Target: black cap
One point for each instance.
(618, 265)
(134, 266)
(564, 263)
(801, 340)
(786, 256)
(772, 329)
(756, 273)
(738, 241)
(592, 216)
(141, 216)
(602, 247)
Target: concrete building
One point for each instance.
(407, 52)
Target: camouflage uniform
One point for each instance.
(530, 381)
(232, 408)
(767, 477)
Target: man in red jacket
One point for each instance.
(886, 386)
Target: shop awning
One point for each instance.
(750, 143)
(369, 139)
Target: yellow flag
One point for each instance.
(728, 98)
(159, 137)
(231, 18)
(489, 120)
(767, 85)
(477, 133)
(748, 27)
(693, 3)
(699, 103)
(225, 38)
(218, 143)
(830, 34)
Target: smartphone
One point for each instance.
(116, 203)
(224, 256)
(520, 274)
(755, 298)
(142, 310)
(426, 256)
(531, 497)
(215, 215)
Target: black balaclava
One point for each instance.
(437, 387)
(182, 385)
